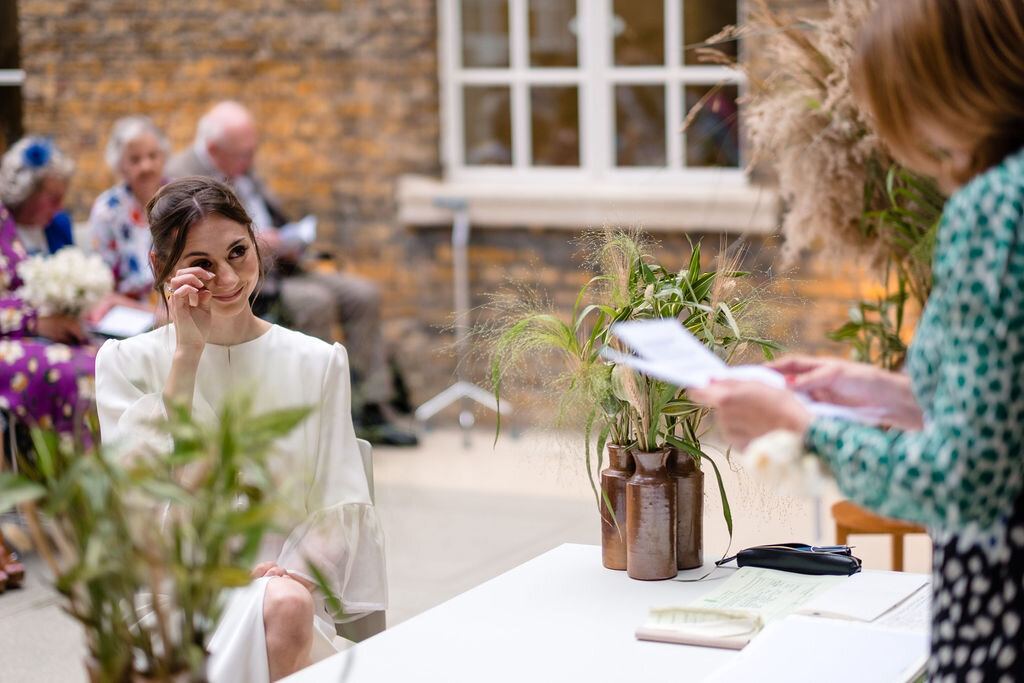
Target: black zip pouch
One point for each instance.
(798, 557)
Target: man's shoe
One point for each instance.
(386, 434)
(372, 425)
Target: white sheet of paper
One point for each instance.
(801, 649)
(866, 595)
(123, 321)
(913, 614)
(668, 351)
(299, 234)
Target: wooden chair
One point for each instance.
(853, 519)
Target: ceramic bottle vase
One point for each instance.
(689, 509)
(651, 518)
(613, 523)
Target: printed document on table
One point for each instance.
(734, 612)
(867, 595)
(668, 351)
(768, 592)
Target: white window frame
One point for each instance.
(595, 79)
(12, 77)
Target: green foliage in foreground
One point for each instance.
(127, 524)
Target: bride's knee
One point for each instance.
(288, 610)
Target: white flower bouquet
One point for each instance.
(779, 460)
(69, 282)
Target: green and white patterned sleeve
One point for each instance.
(967, 465)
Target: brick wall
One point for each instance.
(347, 99)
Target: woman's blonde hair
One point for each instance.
(957, 65)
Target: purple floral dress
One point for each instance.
(41, 382)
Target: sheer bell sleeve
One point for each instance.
(341, 535)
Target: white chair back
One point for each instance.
(366, 453)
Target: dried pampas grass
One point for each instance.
(802, 119)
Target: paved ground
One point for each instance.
(455, 517)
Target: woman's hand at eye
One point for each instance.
(188, 301)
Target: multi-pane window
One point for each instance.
(590, 89)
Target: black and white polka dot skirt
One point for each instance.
(978, 604)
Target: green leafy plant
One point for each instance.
(615, 404)
(144, 543)
(906, 229)
(706, 304)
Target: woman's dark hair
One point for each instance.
(179, 205)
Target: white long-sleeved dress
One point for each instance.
(332, 519)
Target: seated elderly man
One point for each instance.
(225, 148)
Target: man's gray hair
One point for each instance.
(127, 130)
(26, 164)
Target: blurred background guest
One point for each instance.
(45, 381)
(312, 302)
(136, 152)
(34, 180)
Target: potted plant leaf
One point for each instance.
(141, 557)
(616, 408)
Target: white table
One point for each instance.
(559, 617)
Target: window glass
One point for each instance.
(553, 33)
(639, 30)
(640, 125)
(554, 114)
(488, 125)
(712, 138)
(485, 33)
(701, 20)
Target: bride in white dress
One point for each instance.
(206, 259)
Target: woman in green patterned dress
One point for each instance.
(944, 80)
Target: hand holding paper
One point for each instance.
(667, 351)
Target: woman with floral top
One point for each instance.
(46, 375)
(944, 80)
(136, 152)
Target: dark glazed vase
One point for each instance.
(613, 523)
(650, 519)
(689, 509)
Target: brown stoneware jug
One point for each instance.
(651, 519)
(613, 491)
(689, 509)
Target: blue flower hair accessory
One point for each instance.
(38, 153)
